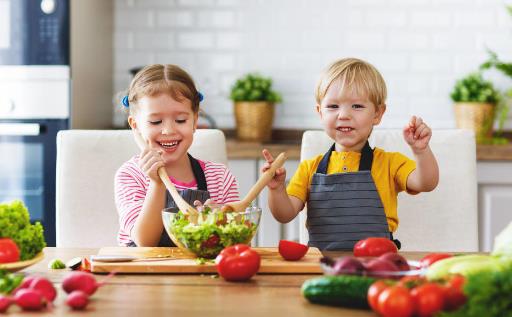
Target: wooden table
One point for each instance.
(151, 295)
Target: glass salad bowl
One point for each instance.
(212, 230)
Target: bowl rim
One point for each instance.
(417, 271)
(19, 265)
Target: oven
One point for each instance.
(34, 102)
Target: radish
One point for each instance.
(77, 299)
(24, 284)
(29, 299)
(45, 287)
(82, 281)
(5, 302)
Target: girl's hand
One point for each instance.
(280, 175)
(417, 134)
(150, 161)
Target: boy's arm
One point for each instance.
(426, 175)
(284, 208)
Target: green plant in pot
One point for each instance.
(475, 105)
(254, 102)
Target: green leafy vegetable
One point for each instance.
(56, 264)
(488, 295)
(230, 228)
(15, 224)
(9, 281)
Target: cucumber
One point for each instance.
(340, 290)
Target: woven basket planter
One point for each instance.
(254, 120)
(475, 116)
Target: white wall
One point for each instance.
(420, 46)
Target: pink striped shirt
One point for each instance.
(131, 185)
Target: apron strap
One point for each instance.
(365, 164)
(198, 173)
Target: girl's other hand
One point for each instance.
(279, 178)
(417, 134)
(150, 161)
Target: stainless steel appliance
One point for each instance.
(34, 102)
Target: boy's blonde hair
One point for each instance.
(156, 79)
(356, 75)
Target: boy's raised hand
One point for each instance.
(280, 176)
(417, 134)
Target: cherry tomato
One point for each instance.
(454, 294)
(292, 251)
(374, 292)
(395, 301)
(374, 247)
(431, 258)
(9, 251)
(428, 299)
(237, 263)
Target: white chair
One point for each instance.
(445, 219)
(87, 160)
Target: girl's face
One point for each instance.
(166, 124)
(348, 118)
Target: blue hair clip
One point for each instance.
(125, 101)
(200, 95)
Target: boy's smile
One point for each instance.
(348, 116)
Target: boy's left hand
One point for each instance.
(417, 134)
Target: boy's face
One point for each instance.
(167, 124)
(348, 118)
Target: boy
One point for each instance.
(351, 190)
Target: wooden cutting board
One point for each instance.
(174, 260)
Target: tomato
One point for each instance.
(431, 258)
(374, 247)
(395, 301)
(374, 292)
(292, 251)
(412, 281)
(237, 263)
(211, 242)
(454, 294)
(428, 299)
(9, 251)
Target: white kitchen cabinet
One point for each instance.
(270, 231)
(494, 200)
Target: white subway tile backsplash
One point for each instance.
(421, 47)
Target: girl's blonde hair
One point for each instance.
(156, 79)
(355, 75)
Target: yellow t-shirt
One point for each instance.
(389, 172)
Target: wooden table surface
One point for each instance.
(141, 295)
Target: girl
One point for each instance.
(163, 105)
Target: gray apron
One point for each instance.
(190, 195)
(344, 208)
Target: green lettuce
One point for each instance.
(15, 224)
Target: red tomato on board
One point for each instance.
(454, 294)
(9, 251)
(374, 247)
(374, 292)
(291, 250)
(237, 263)
(395, 301)
(431, 258)
(428, 299)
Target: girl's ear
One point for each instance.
(132, 122)
(379, 113)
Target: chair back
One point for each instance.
(87, 161)
(445, 219)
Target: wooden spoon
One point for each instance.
(257, 187)
(180, 202)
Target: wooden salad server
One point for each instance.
(180, 202)
(257, 187)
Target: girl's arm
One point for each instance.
(148, 227)
(426, 175)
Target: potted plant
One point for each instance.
(254, 102)
(475, 102)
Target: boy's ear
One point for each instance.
(317, 107)
(132, 122)
(379, 113)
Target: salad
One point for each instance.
(214, 230)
